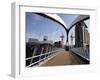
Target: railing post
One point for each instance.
(47, 49)
(41, 53)
(33, 54)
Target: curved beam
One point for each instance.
(79, 19)
(55, 18)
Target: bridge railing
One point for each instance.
(81, 51)
(35, 60)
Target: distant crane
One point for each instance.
(62, 39)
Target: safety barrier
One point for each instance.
(35, 60)
(81, 51)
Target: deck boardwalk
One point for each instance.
(63, 58)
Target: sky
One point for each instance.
(38, 26)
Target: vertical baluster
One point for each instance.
(41, 54)
(46, 50)
(35, 49)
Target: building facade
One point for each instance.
(82, 36)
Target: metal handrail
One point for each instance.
(81, 52)
(46, 57)
(39, 55)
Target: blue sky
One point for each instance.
(38, 26)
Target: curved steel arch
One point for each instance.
(56, 18)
